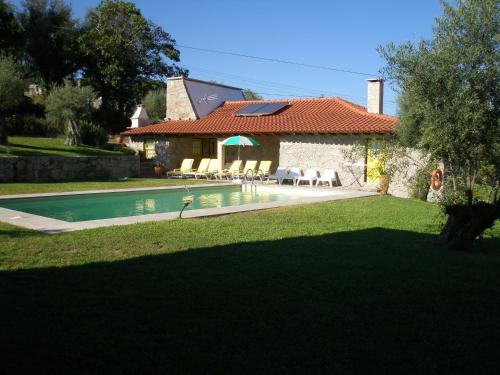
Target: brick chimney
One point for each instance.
(375, 102)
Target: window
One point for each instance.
(149, 148)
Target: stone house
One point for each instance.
(317, 132)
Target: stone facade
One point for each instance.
(62, 168)
(323, 151)
(329, 152)
(179, 106)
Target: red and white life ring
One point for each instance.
(437, 179)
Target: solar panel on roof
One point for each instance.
(261, 109)
(250, 109)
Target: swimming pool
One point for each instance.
(83, 207)
(63, 212)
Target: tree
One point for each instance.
(123, 53)
(155, 104)
(11, 37)
(11, 91)
(69, 104)
(449, 106)
(249, 94)
(51, 48)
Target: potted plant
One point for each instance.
(383, 175)
(158, 168)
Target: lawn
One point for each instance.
(57, 187)
(34, 146)
(354, 286)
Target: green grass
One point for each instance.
(33, 146)
(58, 187)
(355, 286)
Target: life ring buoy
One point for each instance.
(437, 179)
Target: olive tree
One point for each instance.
(448, 90)
(66, 106)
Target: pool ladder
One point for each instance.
(250, 179)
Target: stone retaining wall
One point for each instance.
(62, 168)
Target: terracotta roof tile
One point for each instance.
(320, 115)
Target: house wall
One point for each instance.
(269, 149)
(328, 151)
(323, 152)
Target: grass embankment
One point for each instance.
(58, 187)
(355, 286)
(35, 146)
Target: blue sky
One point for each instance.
(339, 34)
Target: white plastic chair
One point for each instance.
(327, 176)
(293, 174)
(310, 175)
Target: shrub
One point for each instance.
(92, 134)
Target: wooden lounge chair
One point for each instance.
(264, 169)
(202, 167)
(186, 166)
(235, 168)
(327, 176)
(310, 175)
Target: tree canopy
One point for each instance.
(249, 94)
(50, 34)
(155, 103)
(124, 53)
(449, 94)
(11, 36)
(12, 87)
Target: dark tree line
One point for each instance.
(114, 49)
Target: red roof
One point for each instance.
(319, 115)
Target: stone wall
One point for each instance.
(328, 151)
(62, 168)
(322, 152)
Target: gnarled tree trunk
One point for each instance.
(73, 137)
(466, 222)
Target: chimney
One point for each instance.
(375, 102)
(140, 117)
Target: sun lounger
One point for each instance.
(186, 166)
(202, 167)
(264, 169)
(212, 169)
(327, 176)
(250, 165)
(310, 175)
(235, 168)
(279, 175)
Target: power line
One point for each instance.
(272, 84)
(278, 60)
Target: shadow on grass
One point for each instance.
(371, 301)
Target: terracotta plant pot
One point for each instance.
(383, 184)
(158, 170)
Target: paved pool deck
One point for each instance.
(304, 195)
